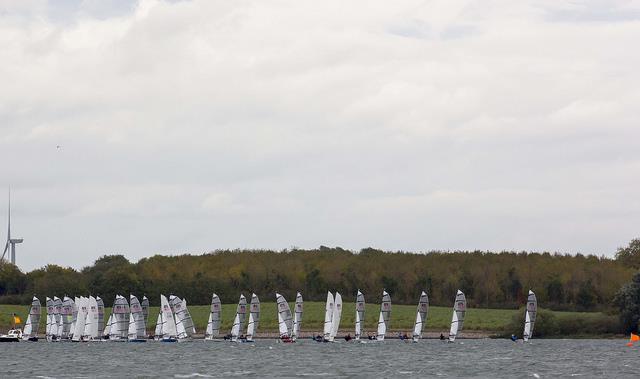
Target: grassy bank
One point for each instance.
(499, 321)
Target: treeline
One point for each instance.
(492, 280)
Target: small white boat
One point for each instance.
(254, 318)
(50, 320)
(14, 335)
(92, 321)
(285, 322)
(421, 316)
(530, 316)
(66, 319)
(328, 317)
(145, 310)
(360, 306)
(457, 320)
(100, 303)
(137, 331)
(213, 326)
(168, 329)
(238, 321)
(81, 318)
(119, 330)
(297, 317)
(30, 332)
(383, 318)
(335, 319)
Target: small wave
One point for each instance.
(237, 373)
(536, 375)
(314, 374)
(194, 375)
(405, 372)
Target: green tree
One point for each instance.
(628, 302)
(630, 255)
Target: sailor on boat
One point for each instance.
(347, 337)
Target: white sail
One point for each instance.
(137, 327)
(184, 322)
(80, 318)
(530, 316)
(158, 331)
(145, 310)
(75, 305)
(297, 317)
(120, 320)
(100, 303)
(213, 326)
(284, 316)
(457, 320)
(238, 321)
(360, 305)
(169, 330)
(50, 318)
(56, 326)
(107, 328)
(91, 320)
(28, 328)
(337, 315)
(421, 316)
(328, 316)
(385, 314)
(254, 317)
(67, 318)
(33, 320)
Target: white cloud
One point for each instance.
(195, 125)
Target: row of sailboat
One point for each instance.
(82, 319)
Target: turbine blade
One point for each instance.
(6, 247)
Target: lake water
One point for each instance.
(392, 358)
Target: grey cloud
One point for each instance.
(190, 126)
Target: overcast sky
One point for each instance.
(189, 126)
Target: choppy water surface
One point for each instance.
(392, 358)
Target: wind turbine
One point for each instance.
(11, 242)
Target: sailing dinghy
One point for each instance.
(74, 304)
(337, 315)
(81, 317)
(213, 326)
(297, 318)
(421, 316)
(238, 321)
(184, 322)
(50, 320)
(383, 319)
(457, 320)
(530, 316)
(157, 335)
(328, 317)
(145, 310)
(56, 327)
(67, 316)
(285, 323)
(100, 303)
(254, 318)
(90, 332)
(30, 332)
(360, 305)
(119, 330)
(137, 328)
(168, 325)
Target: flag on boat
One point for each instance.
(17, 319)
